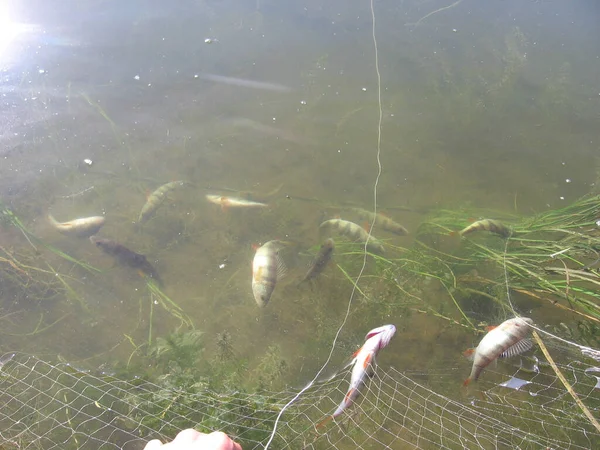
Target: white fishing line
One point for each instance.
(512, 308)
(364, 264)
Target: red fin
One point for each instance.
(367, 360)
(490, 327)
(324, 421)
(255, 246)
(347, 397)
(467, 381)
(468, 352)
(367, 226)
(224, 204)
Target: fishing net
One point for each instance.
(50, 406)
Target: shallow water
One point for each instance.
(491, 105)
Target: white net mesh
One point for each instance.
(57, 406)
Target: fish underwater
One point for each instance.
(83, 227)
(381, 221)
(354, 232)
(126, 257)
(235, 202)
(506, 340)
(321, 260)
(156, 199)
(490, 225)
(267, 269)
(364, 359)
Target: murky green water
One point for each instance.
(493, 105)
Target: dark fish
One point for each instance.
(493, 226)
(126, 257)
(321, 260)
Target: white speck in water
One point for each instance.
(41, 71)
(137, 77)
(221, 266)
(88, 161)
(568, 180)
(274, 119)
(303, 102)
(561, 197)
(195, 75)
(564, 163)
(598, 223)
(454, 29)
(364, 89)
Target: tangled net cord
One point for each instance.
(370, 231)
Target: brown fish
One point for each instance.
(354, 232)
(381, 221)
(83, 227)
(125, 256)
(156, 199)
(493, 226)
(321, 260)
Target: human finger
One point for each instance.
(220, 441)
(153, 445)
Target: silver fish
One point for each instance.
(83, 227)
(245, 82)
(364, 358)
(235, 202)
(267, 269)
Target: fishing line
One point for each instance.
(365, 254)
(540, 330)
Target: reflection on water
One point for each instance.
(484, 106)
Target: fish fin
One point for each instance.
(224, 204)
(367, 226)
(520, 347)
(469, 354)
(324, 421)
(348, 396)
(255, 246)
(281, 267)
(490, 327)
(52, 220)
(367, 360)
(467, 382)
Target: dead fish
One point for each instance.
(235, 202)
(321, 260)
(156, 199)
(83, 227)
(364, 359)
(267, 269)
(125, 256)
(490, 225)
(354, 232)
(381, 221)
(243, 82)
(503, 341)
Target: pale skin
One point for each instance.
(194, 440)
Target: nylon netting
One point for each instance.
(51, 406)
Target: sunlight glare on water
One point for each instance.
(487, 108)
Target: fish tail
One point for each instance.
(324, 422)
(52, 220)
(467, 382)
